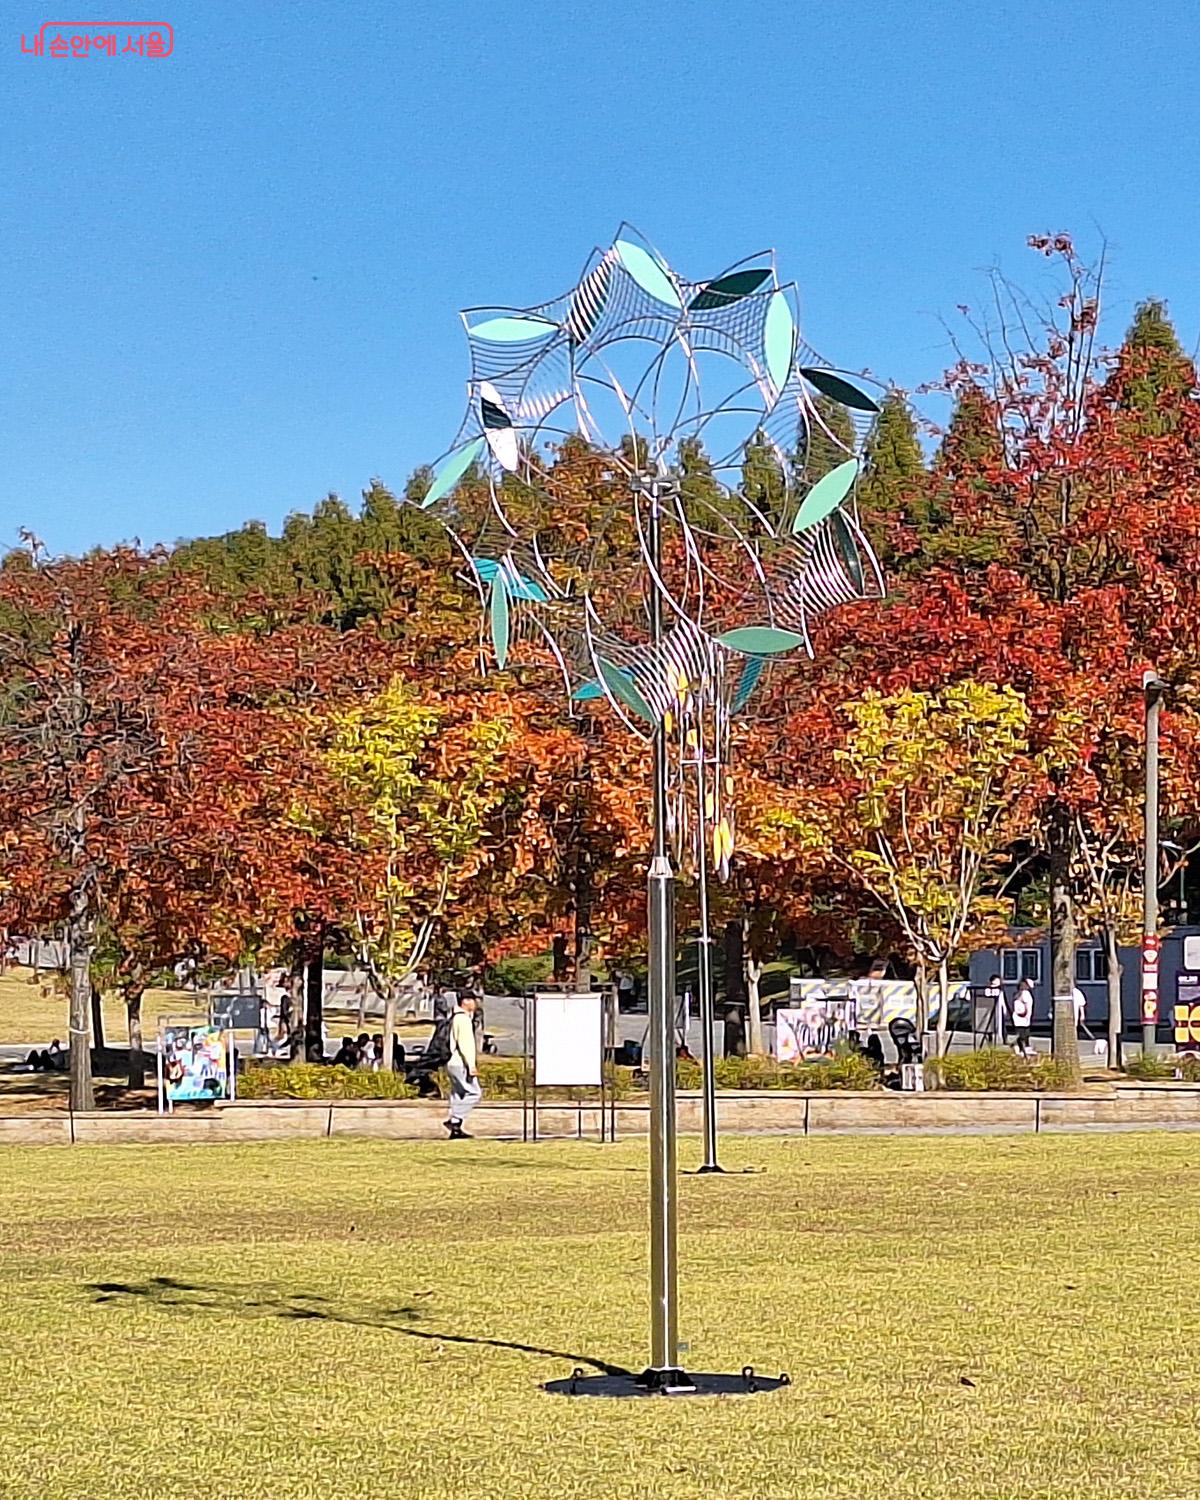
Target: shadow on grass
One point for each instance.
(168, 1295)
(48, 1093)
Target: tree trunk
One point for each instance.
(389, 1029)
(1062, 945)
(314, 1016)
(97, 1018)
(295, 1005)
(735, 965)
(922, 1000)
(754, 969)
(137, 1055)
(560, 968)
(943, 1023)
(582, 967)
(82, 1094)
(1116, 1019)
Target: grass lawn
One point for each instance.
(36, 1011)
(344, 1320)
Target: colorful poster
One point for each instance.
(816, 1025)
(1187, 1013)
(195, 1063)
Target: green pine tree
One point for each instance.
(963, 479)
(831, 441)
(764, 483)
(894, 474)
(1153, 375)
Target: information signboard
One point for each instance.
(568, 1040)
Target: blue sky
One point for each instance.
(231, 277)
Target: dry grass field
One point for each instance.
(970, 1319)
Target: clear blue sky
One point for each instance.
(231, 278)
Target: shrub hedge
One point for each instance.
(500, 1076)
(991, 1069)
(314, 1081)
(513, 976)
(502, 1079)
(997, 1070)
(848, 1070)
(1150, 1069)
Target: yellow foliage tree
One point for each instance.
(934, 790)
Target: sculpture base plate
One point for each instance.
(669, 1382)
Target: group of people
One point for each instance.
(366, 1053)
(455, 1044)
(1019, 1016)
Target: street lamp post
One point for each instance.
(1153, 688)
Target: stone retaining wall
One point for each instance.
(1123, 1108)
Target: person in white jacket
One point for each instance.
(462, 1069)
(1022, 1017)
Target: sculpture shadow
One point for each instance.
(168, 1295)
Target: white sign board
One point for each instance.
(1191, 953)
(568, 1040)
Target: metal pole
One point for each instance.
(704, 966)
(660, 911)
(1152, 686)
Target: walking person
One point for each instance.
(465, 1092)
(1022, 1017)
(1079, 1004)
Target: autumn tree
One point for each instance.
(109, 746)
(935, 789)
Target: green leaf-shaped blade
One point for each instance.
(512, 330)
(779, 340)
(452, 470)
(727, 289)
(826, 495)
(837, 389)
(761, 640)
(752, 670)
(647, 272)
(519, 586)
(620, 684)
(499, 619)
(847, 546)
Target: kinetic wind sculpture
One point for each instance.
(652, 370)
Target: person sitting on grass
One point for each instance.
(52, 1060)
(346, 1055)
